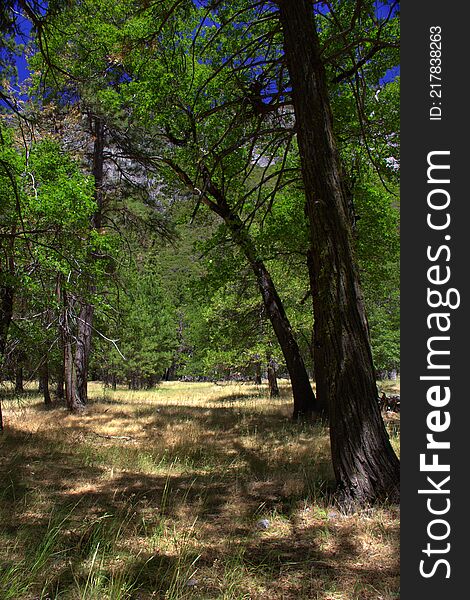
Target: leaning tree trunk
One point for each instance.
(304, 399)
(365, 465)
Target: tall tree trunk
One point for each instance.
(69, 373)
(60, 385)
(85, 319)
(44, 379)
(318, 357)
(6, 314)
(19, 387)
(258, 378)
(272, 377)
(304, 399)
(365, 465)
(68, 376)
(82, 354)
(98, 131)
(59, 390)
(65, 376)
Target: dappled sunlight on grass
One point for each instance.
(190, 490)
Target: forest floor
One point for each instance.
(190, 490)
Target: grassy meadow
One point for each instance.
(189, 490)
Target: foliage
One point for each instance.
(145, 330)
(45, 239)
(187, 88)
(378, 248)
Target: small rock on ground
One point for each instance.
(262, 524)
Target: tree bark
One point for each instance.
(44, 379)
(85, 320)
(68, 377)
(6, 314)
(258, 378)
(60, 391)
(19, 387)
(69, 373)
(318, 357)
(304, 399)
(82, 354)
(272, 378)
(365, 465)
(98, 131)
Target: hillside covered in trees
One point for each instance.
(205, 192)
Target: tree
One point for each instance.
(9, 189)
(85, 317)
(146, 328)
(365, 465)
(186, 92)
(46, 243)
(229, 333)
(149, 123)
(304, 399)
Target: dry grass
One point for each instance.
(161, 494)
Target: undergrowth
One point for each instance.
(187, 491)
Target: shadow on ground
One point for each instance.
(155, 516)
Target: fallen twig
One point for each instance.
(115, 437)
